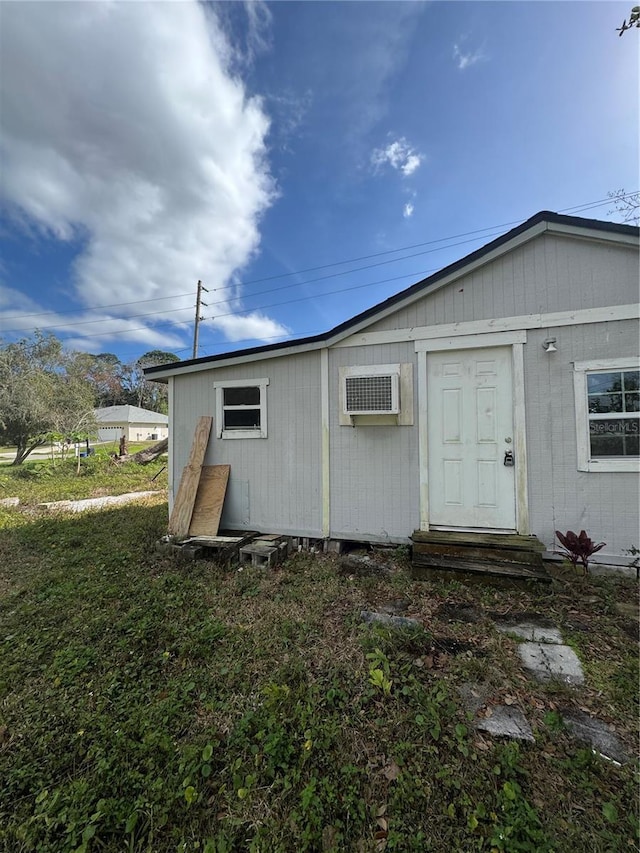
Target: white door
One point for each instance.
(470, 437)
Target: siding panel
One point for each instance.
(282, 473)
(374, 469)
(374, 476)
(550, 273)
(605, 504)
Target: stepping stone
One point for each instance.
(547, 661)
(392, 621)
(506, 722)
(532, 631)
(596, 733)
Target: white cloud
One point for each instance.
(124, 129)
(465, 59)
(247, 29)
(21, 314)
(408, 209)
(398, 154)
(249, 326)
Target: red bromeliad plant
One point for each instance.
(578, 547)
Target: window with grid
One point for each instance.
(607, 399)
(241, 408)
(613, 402)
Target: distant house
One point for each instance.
(134, 423)
(498, 396)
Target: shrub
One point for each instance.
(578, 547)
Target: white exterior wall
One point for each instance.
(550, 273)
(374, 484)
(133, 432)
(275, 483)
(373, 475)
(146, 432)
(605, 504)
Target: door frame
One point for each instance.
(516, 340)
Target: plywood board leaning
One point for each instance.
(185, 499)
(207, 508)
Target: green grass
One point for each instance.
(40, 480)
(150, 705)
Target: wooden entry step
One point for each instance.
(484, 540)
(465, 555)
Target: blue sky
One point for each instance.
(258, 146)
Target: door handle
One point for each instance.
(509, 461)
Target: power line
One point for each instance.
(261, 293)
(173, 324)
(291, 337)
(576, 208)
(269, 278)
(411, 276)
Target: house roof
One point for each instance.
(544, 221)
(129, 415)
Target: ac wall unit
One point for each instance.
(372, 394)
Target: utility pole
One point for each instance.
(196, 328)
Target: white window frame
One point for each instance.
(580, 371)
(219, 387)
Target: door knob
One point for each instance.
(509, 461)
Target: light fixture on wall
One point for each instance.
(549, 345)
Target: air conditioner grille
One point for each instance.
(369, 394)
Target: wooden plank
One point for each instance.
(216, 541)
(469, 552)
(507, 581)
(187, 490)
(477, 567)
(207, 509)
(479, 540)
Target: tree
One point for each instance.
(634, 21)
(39, 395)
(105, 374)
(628, 204)
(139, 390)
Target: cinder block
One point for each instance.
(259, 555)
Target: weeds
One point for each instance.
(148, 706)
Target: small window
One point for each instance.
(608, 412)
(241, 408)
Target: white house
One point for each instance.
(499, 396)
(134, 423)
